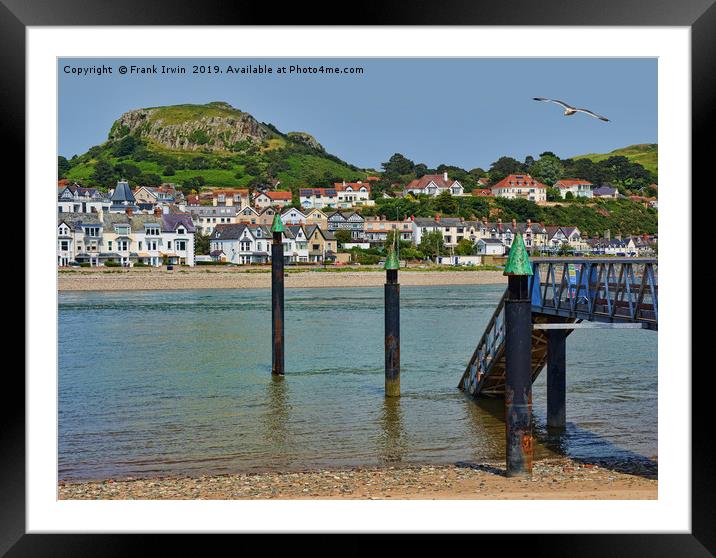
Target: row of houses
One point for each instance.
(513, 186)
(251, 244)
(125, 238)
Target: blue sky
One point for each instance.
(465, 112)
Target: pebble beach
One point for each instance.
(551, 479)
(237, 278)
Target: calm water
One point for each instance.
(179, 383)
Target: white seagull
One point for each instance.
(570, 110)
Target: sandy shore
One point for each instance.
(212, 278)
(551, 479)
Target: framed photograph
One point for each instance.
(394, 277)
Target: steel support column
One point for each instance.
(518, 377)
(277, 304)
(392, 334)
(556, 378)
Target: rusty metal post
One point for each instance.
(556, 378)
(392, 327)
(277, 297)
(518, 362)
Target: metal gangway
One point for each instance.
(567, 293)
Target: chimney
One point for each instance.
(129, 211)
(607, 235)
(344, 183)
(514, 225)
(437, 217)
(529, 223)
(445, 178)
(157, 211)
(499, 224)
(412, 217)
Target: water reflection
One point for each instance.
(392, 439)
(276, 421)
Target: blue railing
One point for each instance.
(597, 289)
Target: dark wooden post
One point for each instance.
(392, 326)
(518, 362)
(277, 296)
(556, 378)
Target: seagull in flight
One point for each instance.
(570, 110)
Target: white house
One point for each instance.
(459, 260)
(578, 187)
(434, 185)
(570, 236)
(269, 198)
(490, 247)
(293, 216)
(297, 251)
(242, 243)
(206, 217)
(350, 194)
(318, 198)
(520, 186)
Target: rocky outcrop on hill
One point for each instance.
(219, 128)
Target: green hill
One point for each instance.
(646, 154)
(205, 145)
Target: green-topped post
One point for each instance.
(277, 359)
(518, 361)
(392, 325)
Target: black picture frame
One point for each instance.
(699, 15)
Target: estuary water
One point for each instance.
(179, 383)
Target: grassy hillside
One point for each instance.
(646, 154)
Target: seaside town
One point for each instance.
(154, 226)
(193, 219)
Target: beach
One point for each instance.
(209, 277)
(552, 479)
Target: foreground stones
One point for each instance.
(551, 479)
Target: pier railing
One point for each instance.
(597, 289)
(488, 351)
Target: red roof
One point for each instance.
(277, 196)
(231, 192)
(517, 181)
(568, 182)
(482, 192)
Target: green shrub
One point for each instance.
(112, 264)
(85, 264)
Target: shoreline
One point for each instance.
(560, 478)
(191, 279)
